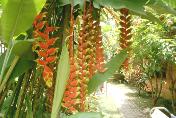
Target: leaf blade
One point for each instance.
(61, 80)
(18, 16)
(112, 66)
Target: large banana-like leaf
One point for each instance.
(134, 5)
(2, 56)
(160, 7)
(65, 2)
(61, 81)
(3, 3)
(112, 66)
(148, 15)
(21, 67)
(171, 3)
(18, 16)
(23, 48)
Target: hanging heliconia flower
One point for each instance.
(91, 42)
(70, 99)
(99, 49)
(43, 46)
(85, 53)
(89, 46)
(125, 35)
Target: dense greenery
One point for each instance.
(55, 55)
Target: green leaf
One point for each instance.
(41, 113)
(4, 2)
(18, 16)
(61, 81)
(171, 3)
(87, 115)
(23, 48)
(6, 104)
(149, 16)
(66, 2)
(134, 5)
(2, 56)
(21, 67)
(112, 66)
(0, 27)
(160, 7)
(29, 108)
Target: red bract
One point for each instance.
(49, 29)
(125, 35)
(74, 83)
(42, 53)
(51, 59)
(40, 25)
(72, 86)
(66, 99)
(39, 16)
(47, 69)
(51, 41)
(66, 93)
(47, 76)
(43, 35)
(43, 45)
(74, 95)
(41, 62)
(51, 51)
(73, 89)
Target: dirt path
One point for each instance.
(119, 101)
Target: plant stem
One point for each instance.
(14, 62)
(5, 63)
(3, 95)
(15, 96)
(21, 95)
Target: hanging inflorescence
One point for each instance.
(70, 98)
(99, 48)
(44, 47)
(125, 35)
(89, 59)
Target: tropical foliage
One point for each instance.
(54, 54)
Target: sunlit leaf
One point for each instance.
(2, 56)
(112, 66)
(134, 5)
(160, 7)
(61, 81)
(171, 3)
(18, 16)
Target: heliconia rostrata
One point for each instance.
(125, 35)
(43, 46)
(90, 58)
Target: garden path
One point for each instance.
(119, 101)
